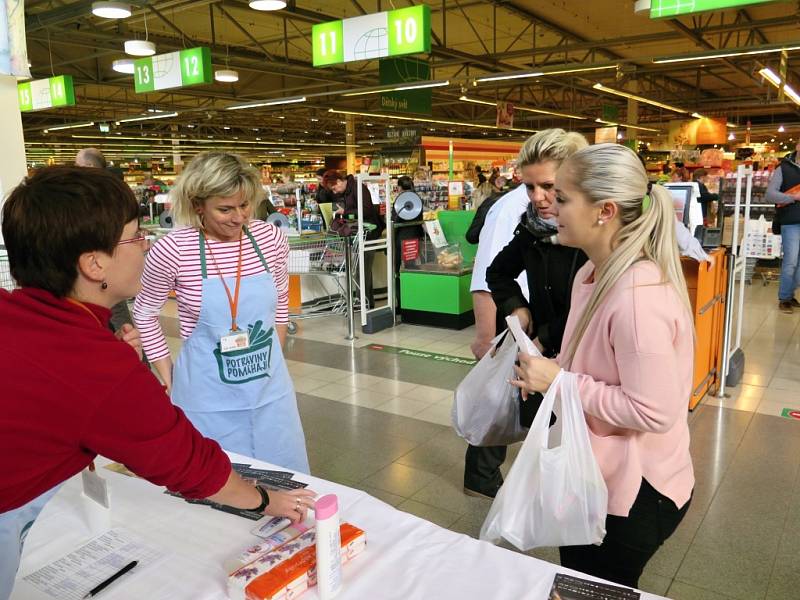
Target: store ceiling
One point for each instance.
(471, 38)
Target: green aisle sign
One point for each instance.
(42, 94)
(660, 9)
(391, 33)
(172, 70)
(393, 71)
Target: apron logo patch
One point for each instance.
(251, 363)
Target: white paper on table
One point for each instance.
(72, 576)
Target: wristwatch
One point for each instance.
(264, 500)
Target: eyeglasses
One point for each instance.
(142, 237)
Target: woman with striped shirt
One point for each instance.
(229, 275)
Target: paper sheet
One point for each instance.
(72, 576)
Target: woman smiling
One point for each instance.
(229, 276)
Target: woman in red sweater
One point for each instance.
(71, 389)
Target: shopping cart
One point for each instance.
(6, 281)
(322, 260)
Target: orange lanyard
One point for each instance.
(86, 308)
(233, 300)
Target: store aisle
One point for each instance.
(379, 421)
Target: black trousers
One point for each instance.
(482, 468)
(630, 541)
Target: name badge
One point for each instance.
(95, 487)
(235, 340)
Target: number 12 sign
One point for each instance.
(391, 33)
(172, 70)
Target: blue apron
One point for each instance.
(242, 399)
(14, 527)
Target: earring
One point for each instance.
(104, 285)
(600, 222)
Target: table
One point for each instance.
(406, 557)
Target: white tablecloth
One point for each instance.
(406, 557)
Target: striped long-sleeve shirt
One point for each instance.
(173, 264)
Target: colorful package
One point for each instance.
(291, 569)
(276, 540)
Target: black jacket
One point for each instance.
(550, 270)
(790, 169)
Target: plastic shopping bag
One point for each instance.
(553, 496)
(485, 409)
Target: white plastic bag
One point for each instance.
(552, 496)
(485, 408)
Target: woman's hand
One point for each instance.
(525, 319)
(131, 336)
(293, 504)
(534, 374)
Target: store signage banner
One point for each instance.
(610, 112)
(697, 132)
(42, 94)
(605, 135)
(395, 71)
(379, 35)
(403, 135)
(505, 115)
(661, 9)
(172, 70)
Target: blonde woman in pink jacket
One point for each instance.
(630, 340)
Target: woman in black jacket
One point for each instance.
(549, 267)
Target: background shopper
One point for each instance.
(345, 190)
(538, 160)
(784, 190)
(71, 390)
(229, 276)
(630, 340)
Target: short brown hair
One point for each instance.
(331, 177)
(56, 215)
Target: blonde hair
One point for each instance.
(213, 175)
(550, 144)
(610, 172)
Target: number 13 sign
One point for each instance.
(172, 70)
(391, 33)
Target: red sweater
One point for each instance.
(70, 391)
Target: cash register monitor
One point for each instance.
(681, 200)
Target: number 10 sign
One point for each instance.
(391, 33)
(172, 70)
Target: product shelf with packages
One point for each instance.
(323, 258)
(6, 281)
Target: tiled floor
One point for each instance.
(380, 422)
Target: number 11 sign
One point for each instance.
(391, 33)
(172, 70)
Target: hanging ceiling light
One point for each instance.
(111, 10)
(123, 65)
(267, 4)
(731, 136)
(226, 75)
(140, 48)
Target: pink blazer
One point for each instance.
(635, 367)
